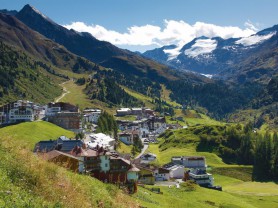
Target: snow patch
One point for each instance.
(254, 39)
(41, 14)
(208, 75)
(201, 46)
(38, 12)
(172, 53)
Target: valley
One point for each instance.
(62, 88)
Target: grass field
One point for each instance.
(165, 95)
(127, 117)
(236, 181)
(145, 99)
(124, 149)
(192, 118)
(36, 183)
(29, 133)
(28, 181)
(76, 96)
(254, 188)
(201, 197)
(190, 150)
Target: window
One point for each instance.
(106, 165)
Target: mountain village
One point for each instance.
(138, 104)
(96, 154)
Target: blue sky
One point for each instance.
(145, 24)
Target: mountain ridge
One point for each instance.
(224, 58)
(101, 52)
(17, 34)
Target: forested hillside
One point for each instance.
(107, 90)
(235, 144)
(21, 77)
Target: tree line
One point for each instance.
(247, 147)
(107, 90)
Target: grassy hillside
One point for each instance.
(32, 66)
(236, 180)
(164, 156)
(22, 78)
(29, 133)
(27, 181)
(145, 99)
(43, 50)
(201, 197)
(77, 96)
(37, 183)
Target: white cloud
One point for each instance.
(201, 47)
(254, 39)
(173, 32)
(250, 25)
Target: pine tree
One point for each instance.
(107, 125)
(263, 158)
(246, 150)
(133, 151)
(275, 156)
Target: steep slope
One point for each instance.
(163, 54)
(22, 78)
(32, 66)
(263, 109)
(29, 181)
(239, 59)
(261, 63)
(9, 12)
(86, 45)
(129, 68)
(17, 34)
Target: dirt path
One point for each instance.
(64, 93)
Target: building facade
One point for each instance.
(64, 115)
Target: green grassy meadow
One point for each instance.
(202, 197)
(37, 183)
(29, 133)
(124, 149)
(29, 181)
(190, 150)
(77, 97)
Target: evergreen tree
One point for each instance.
(133, 151)
(246, 150)
(137, 143)
(107, 124)
(262, 158)
(275, 156)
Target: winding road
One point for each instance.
(143, 150)
(64, 93)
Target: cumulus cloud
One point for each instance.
(172, 32)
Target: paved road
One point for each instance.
(143, 150)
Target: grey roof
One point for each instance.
(63, 145)
(45, 146)
(68, 145)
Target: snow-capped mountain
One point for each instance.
(213, 55)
